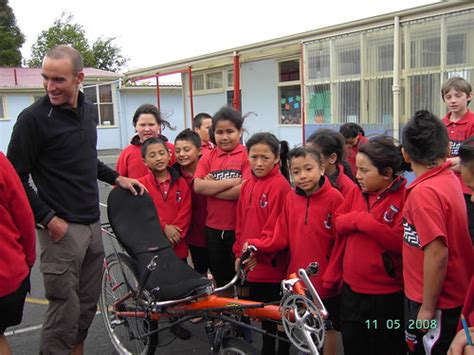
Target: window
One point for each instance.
(425, 92)
(289, 92)
(208, 81)
(214, 81)
(349, 62)
(198, 82)
(430, 52)
(349, 101)
(319, 109)
(385, 56)
(290, 71)
(101, 97)
(318, 61)
(2, 108)
(230, 78)
(456, 50)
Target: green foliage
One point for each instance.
(103, 54)
(107, 55)
(11, 38)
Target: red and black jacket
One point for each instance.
(368, 252)
(175, 208)
(305, 228)
(260, 203)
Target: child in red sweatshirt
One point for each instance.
(354, 137)
(17, 245)
(148, 123)
(260, 203)
(305, 227)
(437, 250)
(331, 145)
(370, 233)
(188, 148)
(170, 194)
(456, 93)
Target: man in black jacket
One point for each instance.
(54, 141)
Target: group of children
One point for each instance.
(395, 261)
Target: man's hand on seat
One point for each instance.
(130, 184)
(173, 233)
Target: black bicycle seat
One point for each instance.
(134, 220)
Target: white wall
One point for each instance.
(260, 95)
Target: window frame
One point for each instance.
(4, 111)
(281, 84)
(98, 104)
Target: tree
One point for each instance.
(103, 54)
(107, 55)
(11, 38)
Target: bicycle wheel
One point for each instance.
(119, 279)
(237, 346)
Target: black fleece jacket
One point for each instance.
(56, 145)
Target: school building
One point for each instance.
(116, 103)
(376, 71)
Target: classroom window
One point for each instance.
(425, 92)
(230, 78)
(290, 104)
(198, 82)
(319, 107)
(214, 81)
(430, 55)
(456, 49)
(349, 101)
(349, 62)
(318, 61)
(385, 58)
(290, 70)
(289, 92)
(2, 107)
(101, 96)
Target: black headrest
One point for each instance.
(135, 221)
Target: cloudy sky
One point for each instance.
(153, 32)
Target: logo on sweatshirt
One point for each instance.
(390, 214)
(328, 221)
(263, 201)
(179, 198)
(410, 236)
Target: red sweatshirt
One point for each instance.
(17, 230)
(260, 203)
(458, 132)
(434, 209)
(130, 162)
(342, 183)
(175, 208)
(196, 235)
(369, 244)
(305, 227)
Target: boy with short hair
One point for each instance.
(437, 251)
(202, 122)
(354, 137)
(188, 150)
(456, 93)
(172, 199)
